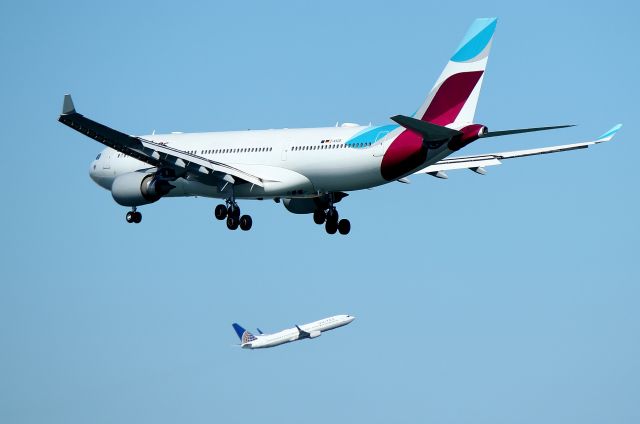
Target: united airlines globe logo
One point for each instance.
(247, 337)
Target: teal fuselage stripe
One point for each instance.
(368, 136)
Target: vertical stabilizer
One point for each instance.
(243, 335)
(453, 99)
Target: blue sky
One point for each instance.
(505, 298)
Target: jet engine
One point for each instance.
(314, 334)
(139, 188)
(300, 206)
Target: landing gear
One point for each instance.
(331, 226)
(319, 216)
(344, 226)
(232, 223)
(133, 216)
(221, 212)
(331, 221)
(245, 222)
(231, 212)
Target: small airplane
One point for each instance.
(309, 169)
(299, 332)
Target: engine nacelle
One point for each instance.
(314, 334)
(139, 188)
(300, 206)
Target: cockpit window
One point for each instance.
(98, 157)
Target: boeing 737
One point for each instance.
(299, 332)
(309, 169)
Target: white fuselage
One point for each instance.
(294, 162)
(292, 334)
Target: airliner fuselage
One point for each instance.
(309, 169)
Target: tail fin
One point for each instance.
(243, 335)
(454, 97)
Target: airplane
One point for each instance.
(309, 169)
(299, 332)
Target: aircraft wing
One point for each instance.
(155, 154)
(303, 334)
(477, 162)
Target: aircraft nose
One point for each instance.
(92, 170)
(351, 317)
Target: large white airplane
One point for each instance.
(299, 332)
(309, 169)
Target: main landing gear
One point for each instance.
(331, 221)
(133, 216)
(231, 212)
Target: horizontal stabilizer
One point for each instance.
(522, 130)
(431, 132)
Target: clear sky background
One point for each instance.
(508, 298)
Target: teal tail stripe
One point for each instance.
(476, 39)
(612, 131)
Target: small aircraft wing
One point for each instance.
(477, 163)
(155, 154)
(303, 334)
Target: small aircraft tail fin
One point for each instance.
(454, 97)
(243, 335)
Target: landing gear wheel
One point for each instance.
(221, 212)
(331, 226)
(245, 223)
(332, 215)
(232, 223)
(319, 216)
(133, 217)
(344, 226)
(234, 211)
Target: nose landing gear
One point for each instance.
(231, 212)
(133, 216)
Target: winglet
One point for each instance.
(609, 134)
(67, 105)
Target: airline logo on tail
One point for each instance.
(454, 97)
(243, 335)
(451, 102)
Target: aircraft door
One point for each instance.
(106, 160)
(380, 143)
(285, 149)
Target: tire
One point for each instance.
(234, 211)
(232, 223)
(331, 227)
(137, 217)
(129, 217)
(319, 216)
(220, 212)
(245, 223)
(332, 215)
(344, 226)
